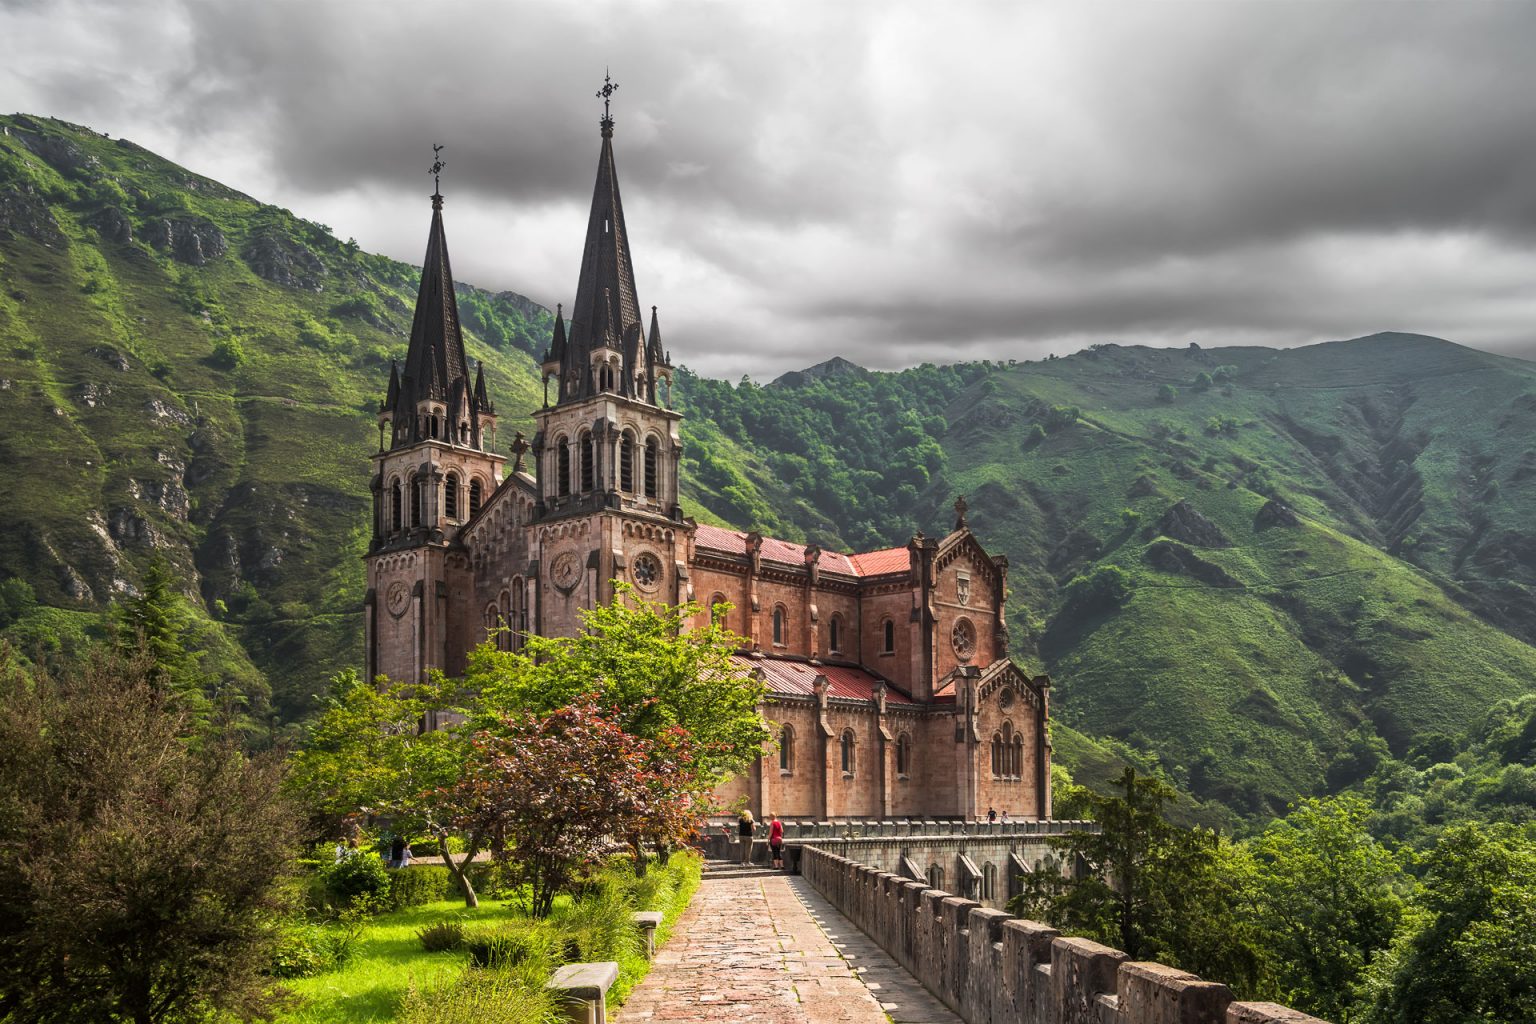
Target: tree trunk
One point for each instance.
(637, 847)
(460, 870)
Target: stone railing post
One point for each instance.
(647, 921)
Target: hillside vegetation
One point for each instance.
(1253, 569)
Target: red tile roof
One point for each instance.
(732, 542)
(798, 679)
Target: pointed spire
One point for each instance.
(653, 349)
(392, 396)
(435, 359)
(606, 304)
(482, 401)
(556, 351)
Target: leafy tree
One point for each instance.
(1148, 887)
(141, 872)
(367, 753)
(1328, 901)
(556, 787)
(16, 600)
(1468, 952)
(645, 660)
(1167, 393)
(1202, 381)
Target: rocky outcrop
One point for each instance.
(1184, 522)
(191, 240)
(275, 257)
(62, 155)
(1166, 556)
(25, 213)
(112, 224)
(1275, 513)
(111, 356)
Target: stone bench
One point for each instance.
(584, 989)
(647, 921)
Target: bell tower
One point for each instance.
(607, 444)
(436, 465)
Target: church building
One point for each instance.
(887, 671)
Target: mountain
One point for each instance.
(1259, 570)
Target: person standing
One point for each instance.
(776, 841)
(405, 854)
(991, 815)
(396, 851)
(744, 830)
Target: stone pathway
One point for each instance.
(761, 947)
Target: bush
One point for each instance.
(228, 354)
(491, 880)
(411, 887)
(480, 997)
(442, 935)
(306, 949)
(360, 877)
(599, 925)
(533, 946)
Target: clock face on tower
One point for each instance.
(565, 573)
(398, 597)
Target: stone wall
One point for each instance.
(989, 967)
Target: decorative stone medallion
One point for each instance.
(963, 587)
(963, 639)
(646, 571)
(565, 573)
(398, 598)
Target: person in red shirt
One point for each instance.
(776, 841)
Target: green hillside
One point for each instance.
(1243, 565)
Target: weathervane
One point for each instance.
(609, 88)
(436, 169)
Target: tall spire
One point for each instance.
(606, 306)
(435, 362)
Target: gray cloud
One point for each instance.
(894, 182)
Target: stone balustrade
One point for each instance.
(990, 967)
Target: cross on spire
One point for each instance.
(605, 94)
(436, 171)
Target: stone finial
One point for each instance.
(960, 509)
(519, 448)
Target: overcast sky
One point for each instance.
(891, 182)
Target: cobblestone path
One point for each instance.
(761, 947)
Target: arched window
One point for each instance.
(778, 625)
(935, 877)
(847, 751)
(717, 613)
(786, 749)
(517, 615)
(989, 881)
(396, 511)
(627, 463)
(418, 513)
(997, 756)
(889, 629)
(563, 467)
(652, 453)
(451, 496)
(492, 622)
(1018, 756)
(476, 495)
(903, 755)
(588, 462)
(834, 634)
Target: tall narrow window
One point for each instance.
(588, 462)
(418, 514)
(997, 757)
(989, 881)
(890, 638)
(847, 751)
(778, 625)
(1018, 756)
(476, 495)
(787, 749)
(834, 631)
(563, 468)
(652, 451)
(515, 618)
(717, 610)
(396, 513)
(451, 496)
(627, 463)
(903, 755)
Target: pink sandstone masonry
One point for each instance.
(992, 968)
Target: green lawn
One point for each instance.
(389, 960)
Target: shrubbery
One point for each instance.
(359, 877)
(411, 887)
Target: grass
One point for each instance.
(389, 960)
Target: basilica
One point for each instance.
(887, 673)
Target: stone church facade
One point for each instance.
(887, 671)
